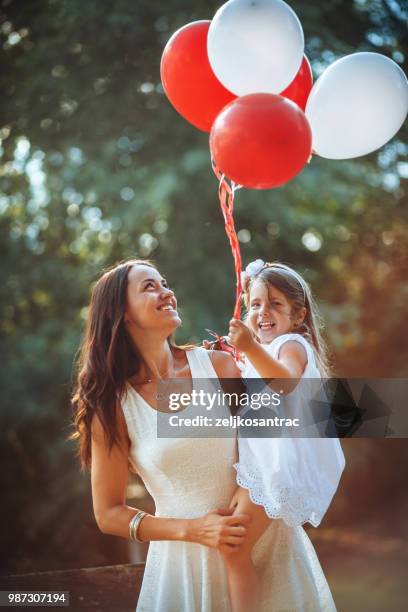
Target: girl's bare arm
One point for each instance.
(290, 364)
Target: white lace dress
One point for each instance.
(189, 477)
(294, 478)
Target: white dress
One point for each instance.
(188, 478)
(293, 478)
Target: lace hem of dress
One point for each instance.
(293, 506)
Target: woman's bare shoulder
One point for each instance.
(224, 364)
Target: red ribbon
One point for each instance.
(226, 192)
(221, 344)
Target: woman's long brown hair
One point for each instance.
(106, 360)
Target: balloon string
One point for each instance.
(226, 193)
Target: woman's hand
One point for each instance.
(240, 335)
(218, 529)
(217, 345)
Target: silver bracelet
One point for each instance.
(134, 525)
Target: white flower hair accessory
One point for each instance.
(254, 267)
(251, 270)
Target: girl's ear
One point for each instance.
(300, 317)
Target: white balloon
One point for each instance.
(357, 105)
(255, 46)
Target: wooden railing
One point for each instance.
(365, 569)
(113, 588)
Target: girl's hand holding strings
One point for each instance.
(240, 336)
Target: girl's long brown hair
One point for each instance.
(106, 360)
(298, 292)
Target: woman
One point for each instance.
(127, 350)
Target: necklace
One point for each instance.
(150, 380)
(160, 396)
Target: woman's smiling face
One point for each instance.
(151, 304)
(269, 312)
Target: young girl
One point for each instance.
(291, 478)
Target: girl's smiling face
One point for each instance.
(269, 312)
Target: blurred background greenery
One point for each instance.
(97, 166)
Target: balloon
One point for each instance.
(299, 89)
(187, 78)
(261, 140)
(357, 105)
(255, 46)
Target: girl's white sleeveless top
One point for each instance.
(293, 477)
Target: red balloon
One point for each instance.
(187, 77)
(300, 87)
(261, 140)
